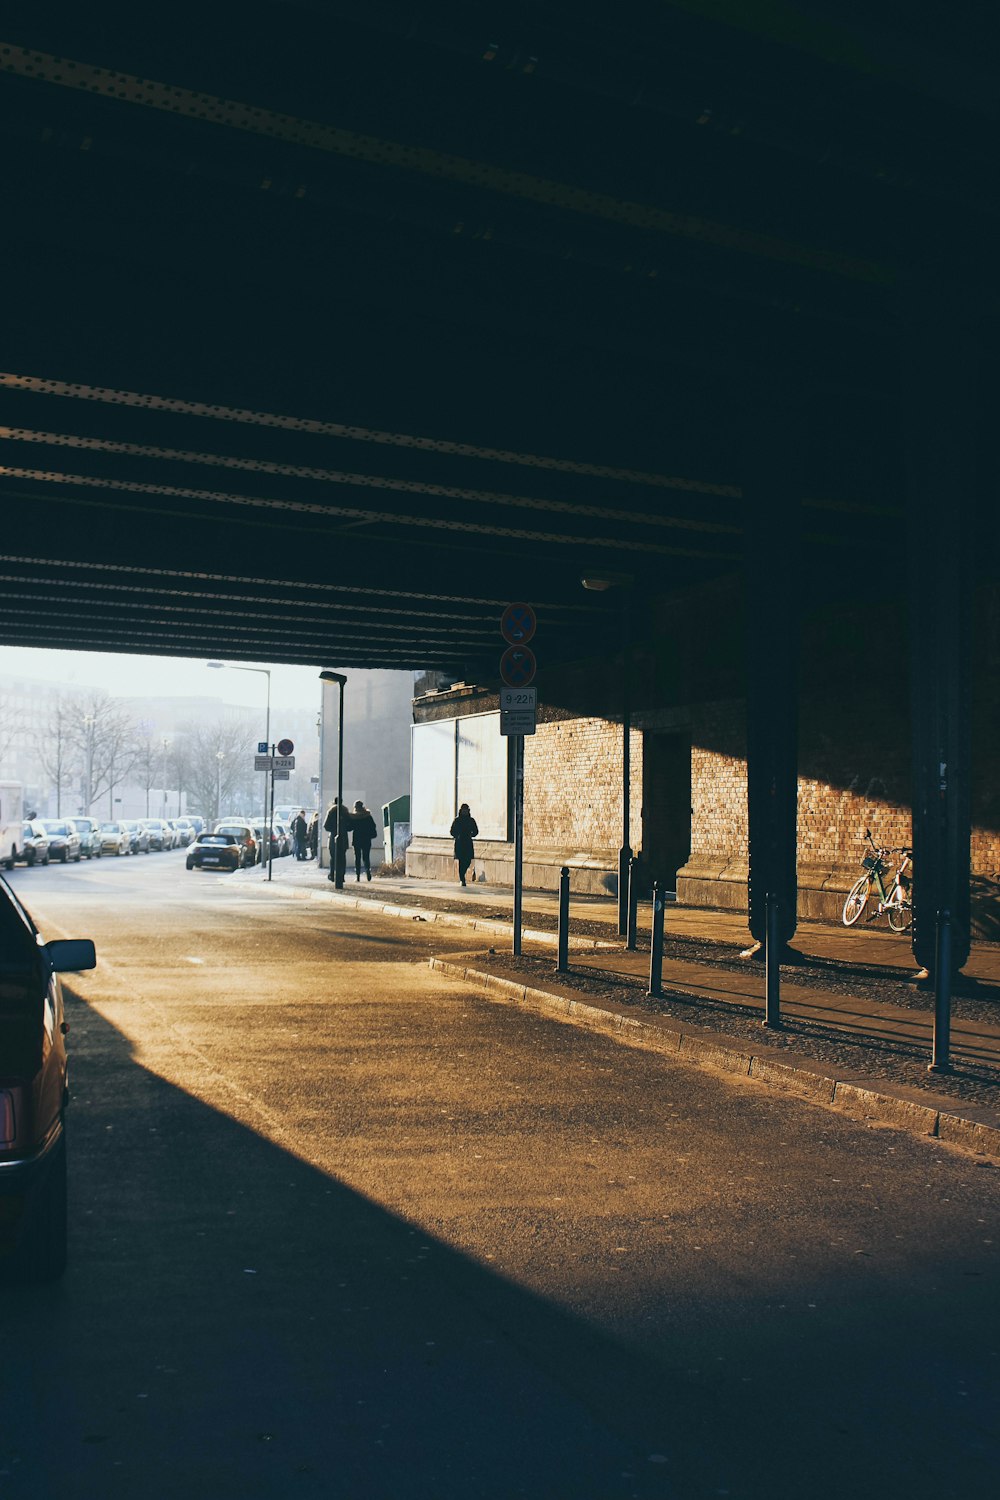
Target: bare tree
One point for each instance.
(104, 738)
(180, 764)
(11, 723)
(57, 750)
(220, 776)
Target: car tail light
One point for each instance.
(8, 1121)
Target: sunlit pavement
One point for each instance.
(342, 1228)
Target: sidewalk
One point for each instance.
(854, 1023)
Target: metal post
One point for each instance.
(340, 858)
(656, 946)
(633, 903)
(562, 961)
(518, 837)
(269, 826)
(625, 852)
(772, 963)
(941, 1051)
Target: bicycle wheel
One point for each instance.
(857, 900)
(900, 915)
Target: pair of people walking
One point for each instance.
(357, 828)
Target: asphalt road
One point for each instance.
(342, 1229)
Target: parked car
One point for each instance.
(219, 851)
(183, 831)
(284, 833)
(197, 823)
(244, 833)
(160, 833)
(33, 1092)
(34, 846)
(64, 841)
(89, 830)
(138, 836)
(260, 832)
(115, 838)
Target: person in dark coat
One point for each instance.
(463, 830)
(312, 837)
(338, 826)
(299, 831)
(363, 830)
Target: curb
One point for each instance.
(494, 926)
(906, 1110)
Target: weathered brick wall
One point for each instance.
(718, 781)
(573, 785)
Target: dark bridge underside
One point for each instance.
(329, 329)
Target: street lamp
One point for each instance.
(340, 855)
(266, 672)
(600, 583)
(163, 775)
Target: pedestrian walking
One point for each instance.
(299, 831)
(463, 830)
(312, 837)
(338, 826)
(363, 830)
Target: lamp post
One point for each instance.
(163, 775)
(339, 858)
(600, 583)
(266, 672)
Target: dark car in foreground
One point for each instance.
(64, 841)
(34, 1092)
(218, 851)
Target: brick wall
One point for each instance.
(573, 785)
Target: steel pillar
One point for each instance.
(939, 402)
(774, 584)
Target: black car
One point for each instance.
(64, 841)
(34, 844)
(33, 1092)
(217, 851)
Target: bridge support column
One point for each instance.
(774, 586)
(940, 437)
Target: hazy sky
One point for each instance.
(169, 677)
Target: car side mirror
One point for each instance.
(68, 955)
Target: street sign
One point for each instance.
(517, 721)
(282, 775)
(517, 624)
(262, 762)
(285, 747)
(284, 762)
(517, 666)
(262, 748)
(511, 698)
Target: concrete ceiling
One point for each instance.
(329, 329)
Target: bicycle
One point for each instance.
(895, 901)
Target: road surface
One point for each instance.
(341, 1228)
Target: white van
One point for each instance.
(11, 818)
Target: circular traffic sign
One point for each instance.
(517, 666)
(285, 747)
(517, 625)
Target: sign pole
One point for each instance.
(518, 838)
(269, 826)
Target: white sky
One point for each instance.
(164, 676)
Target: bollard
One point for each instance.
(656, 945)
(562, 961)
(633, 904)
(941, 1048)
(772, 965)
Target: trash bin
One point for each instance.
(395, 827)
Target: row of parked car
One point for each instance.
(68, 840)
(235, 845)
